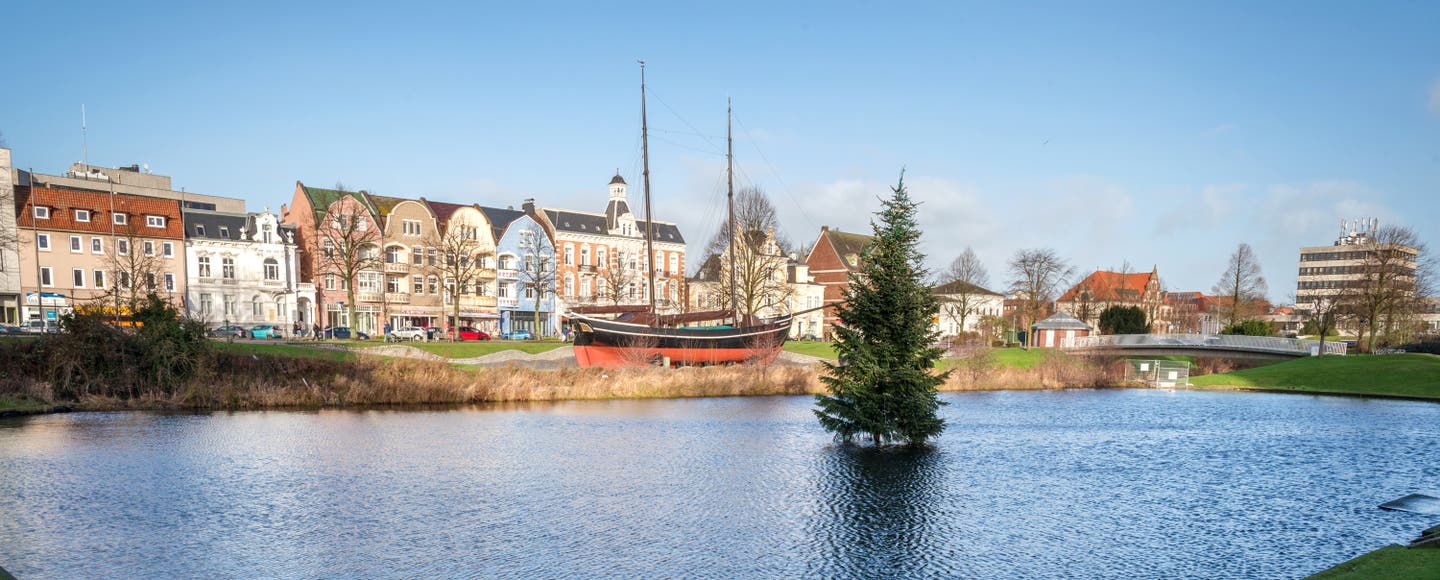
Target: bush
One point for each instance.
(1123, 320)
(156, 359)
(1251, 327)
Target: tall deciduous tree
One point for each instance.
(618, 275)
(1241, 288)
(1388, 284)
(461, 263)
(753, 213)
(349, 244)
(884, 386)
(1036, 276)
(537, 271)
(962, 287)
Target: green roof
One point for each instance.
(321, 198)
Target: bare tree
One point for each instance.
(760, 270)
(1036, 275)
(1388, 286)
(460, 265)
(962, 287)
(349, 244)
(1324, 314)
(617, 276)
(537, 271)
(753, 213)
(1241, 288)
(137, 264)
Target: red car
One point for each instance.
(472, 333)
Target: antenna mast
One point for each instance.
(649, 221)
(84, 142)
(730, 202)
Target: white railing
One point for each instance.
(1270, 344)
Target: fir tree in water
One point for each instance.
(884, 386)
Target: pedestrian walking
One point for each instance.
(317, 332)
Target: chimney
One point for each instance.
(824, 228)
(529, 206)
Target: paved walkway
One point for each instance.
(559, 358)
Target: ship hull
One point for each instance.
(611, 344)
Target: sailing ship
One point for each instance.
(638, 335)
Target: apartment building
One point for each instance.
(243, 269)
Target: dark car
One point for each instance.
(433, 333)
(229, 331)
(472, 333)
(344, 332)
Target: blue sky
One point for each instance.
(1154, 133)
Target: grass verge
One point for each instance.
(22, 404)
(1406, 375)
(474, 349)
(811, 348)
(1391, 562)
(281, 349)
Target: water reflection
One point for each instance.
(880, 513)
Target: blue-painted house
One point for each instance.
(525, 255)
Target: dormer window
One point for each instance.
(224, 232)
(42, 212)
(82, 215)
(199, 230)
(119, 219)
(155, 221)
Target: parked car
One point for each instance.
(266, 331)
(229, 331)
(408, 333)
(344, 332)
(7, 329)
(519, 335)
(37, 326)
(472, 333)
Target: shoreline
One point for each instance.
(1326, 393)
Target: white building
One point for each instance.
(963, 305)
(242, 269)
(9, 245)
(805, 294)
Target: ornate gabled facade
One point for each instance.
(525, 259)
(762, 279)
(465, 229)
(243, 269)
(603, 260)
(834, 257)
(321, 218)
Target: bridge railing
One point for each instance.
(1201, 341)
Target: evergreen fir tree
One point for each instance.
(884, 385)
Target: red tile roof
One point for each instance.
(63, 203)
(1106, 286)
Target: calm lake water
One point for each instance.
(1071, 484)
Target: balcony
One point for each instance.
(397, 267)
(369, 297)
(397, 298)
(507, 302)
(272, 283)
(587, 268)
(508, 274)
(478, 301)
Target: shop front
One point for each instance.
(45, 306)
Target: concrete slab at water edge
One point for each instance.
(1415, 503)
(400, 351)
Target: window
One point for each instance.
(149, 247)
(430, 256)
(75, 244)
(569, 285)
(155, 221)
(124, 279)
(77, 277)
(417, 256)
(200, 230)
(46, 276)
(42, 212)
(329, 249)
(569, 255)
(256, 310)
(529, 291)
(584, 288)
(392, 255)
(600, 288)
(225, 232)
(122, 247)
(410, 227)
(272, 269)
(205, 301)
(674, 264)
(502, 290)
(43, 241)
(150, 280)
(329, 281)
(227, 268)
(82, 215)
(97, 246)
(360, 223)
(369, 282)
(392, 284)
(229, 304)
(167, 249)
(169, 282)
(119, 219)
(584, 256)
(99, 278)
(433, 284)
(600, 258)
(204, 266)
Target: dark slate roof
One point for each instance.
(443, 210)
(613, 211)
(617, 179)
(709, 271)
(960, 286)
(594, 223)
(1061, 321)
(234, 223)
(500, 219)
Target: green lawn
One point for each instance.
(21, 404)
(811, 348)
(1407, 375)
(282, 349)
(474, 349)
(1391, 562)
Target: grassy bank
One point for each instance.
(1407, 375)
(1390, 562)
(474, 349)
(282, 349)
(21, 404)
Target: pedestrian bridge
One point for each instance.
(1212, 345)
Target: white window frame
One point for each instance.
(167, 249)
(77, 245)
(82, 215)
(41, 212)
(47, 276)
(77, 274)
(119, 219)
(148, 247)
(202, 264)
(99, 279)
(43, 242)
(269, 264)
(154, 221)
(97, 245)
(169, 282)
(122, 247)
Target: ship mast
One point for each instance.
(649, 221)
(730, 203)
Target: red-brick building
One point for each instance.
(1103, 289)
(832, 259)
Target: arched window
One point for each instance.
(673, 294)
(255, 308)
(394, 255)
(569, 284)
(433, 284)
(600, 288)
(272, 269)
(600, 258)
